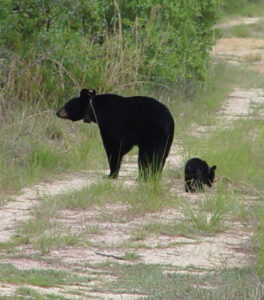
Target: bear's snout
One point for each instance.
(61, 113)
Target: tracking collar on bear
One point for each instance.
(88, 94)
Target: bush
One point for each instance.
(60, 46)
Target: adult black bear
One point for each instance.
(197, 173)
(125, 122)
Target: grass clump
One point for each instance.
(44, 278)
(33, 294)
(208, 218)
(200, 222)
(36, 147)
(146, 197)
(152, 281)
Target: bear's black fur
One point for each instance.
(125, 122)
(197, 172)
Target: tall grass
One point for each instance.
(245, 31)
(36, 145)
(243, 7)
(154, 281)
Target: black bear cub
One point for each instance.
(125, 122)
(197, 172)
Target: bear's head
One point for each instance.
(211, 176)
(78, 108)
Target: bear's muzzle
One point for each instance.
(61, 113)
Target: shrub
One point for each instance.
(60, 46)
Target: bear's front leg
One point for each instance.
(114, 159)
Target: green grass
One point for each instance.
(248, 8)
(43, 278)
(245, 31)
(236, 151)
(206, 218)
(46, 242)
(38, 146)
(144, 197)
(195, 221)
(131, 256)
(203, 223)
(28, 293)
(158, 228)
(259, 237)
(44, 233)
(201, 108)
(150, 280)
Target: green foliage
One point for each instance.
(60, 46)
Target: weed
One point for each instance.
(33, 294)
(46, 242)
(131, 256)
(35, 147)
(45, 278)
(153, 282)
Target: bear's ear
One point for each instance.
(213, 168)
(92, 92)
(87, 93)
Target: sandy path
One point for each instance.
(239, 21)
(20, 207)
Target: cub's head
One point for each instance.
(78, 108)
(211, 176)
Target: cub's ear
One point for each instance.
(213, 168)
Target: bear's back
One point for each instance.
(139, 110)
